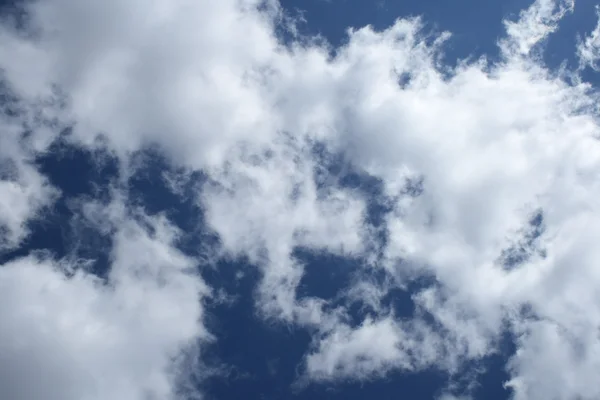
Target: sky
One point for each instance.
(299, 199)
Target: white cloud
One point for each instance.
(545, 345)
(21, 198)
(373, 349)
(535, 24)
(212, 86)
(65, 334)
(24, 191)
(169, 72)
(588, 48)
(265, 206)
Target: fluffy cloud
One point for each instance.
(24, 190)
(66, 334)
(506, 155)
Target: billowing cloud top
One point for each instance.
(485, 183)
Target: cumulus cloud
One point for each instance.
(24, 190)
(67, 334)
(505, 155)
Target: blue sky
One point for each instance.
(475, 25)
(193, 207)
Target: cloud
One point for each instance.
(24, 190)
(66, 334)
(266, 206)
(576, 348)
(588, 48)
(494, 147)
(535, 24)
(350, 353)
(452, 397)
(172, 73)
(23, 194)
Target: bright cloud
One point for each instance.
(507, 154)
(66, 334)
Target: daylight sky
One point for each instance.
(342, 199)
